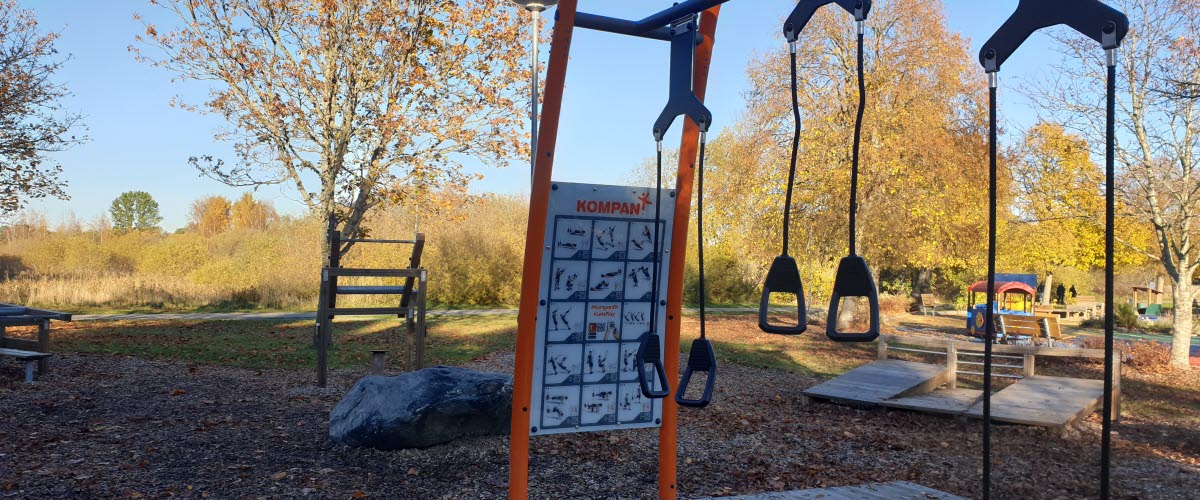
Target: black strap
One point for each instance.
(784, 274)
(990, 325)
(701, 357)
(853, 278)
(649, 348)
(1109, 237)
(1108, 27)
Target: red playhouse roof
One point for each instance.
(1002, 287)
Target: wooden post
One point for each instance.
(323, 321)
(335, 261)
(43, 343)
(952, 365)
(421, 320)
(378, 361)
(882, 347)
(1116, 387)
(1028, 369)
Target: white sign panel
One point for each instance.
(596, 301)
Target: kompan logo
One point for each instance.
(614, 207)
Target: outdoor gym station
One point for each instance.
(574, 258)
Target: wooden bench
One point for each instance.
(29, 357)
(1010, 327)
(1088, 306)
(12, 315)
(930, 304)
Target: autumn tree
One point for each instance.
(210, 215)
(354, 101)
(923, 170)
(32, 117)
(249, 213)
(1158, 135)
(135, 210)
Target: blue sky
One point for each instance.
(616, 87)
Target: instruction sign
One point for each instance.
(595, 305)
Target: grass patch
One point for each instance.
(284, 344)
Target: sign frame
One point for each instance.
(598, 251)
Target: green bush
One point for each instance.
(1126, 316)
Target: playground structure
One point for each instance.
(29, 352)
(690, 28)
(1036, 400)
(410, 306)
(1152, 307)
(1016, 298)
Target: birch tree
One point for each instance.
(1158, 143)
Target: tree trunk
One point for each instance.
(1181, 341)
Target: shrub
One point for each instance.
(890, 305)
(1126, 316)
(726, 279)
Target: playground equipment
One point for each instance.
(1008, 291)
(1108, 27)
(853, 278)
(1152, 307)
(410, 307)
(691, 49)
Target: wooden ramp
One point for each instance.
(879, 381)
(944, 401)
(901, 490)
(1044, 401)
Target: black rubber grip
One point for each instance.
(701, 358)
(783, 277)
(1091, 18)
(853, 280)
(650, 353)
(805, 10)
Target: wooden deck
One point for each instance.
(882, 380)
(1051, 402)
(901, 490)
(1044, 401)
(944, 401)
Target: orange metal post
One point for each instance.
(688, 150)
(556, 73)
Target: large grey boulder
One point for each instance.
(423, 408)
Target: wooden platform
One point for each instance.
(944, 401)
(1044, 401)
(882, 380)
(901, 490)
(1051, 402)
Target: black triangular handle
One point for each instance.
(650, 353)
(853, 280)
(1091, 18)
(783, 277)
(701, 358)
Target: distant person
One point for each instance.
(1061, 293)
(1073, 292)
